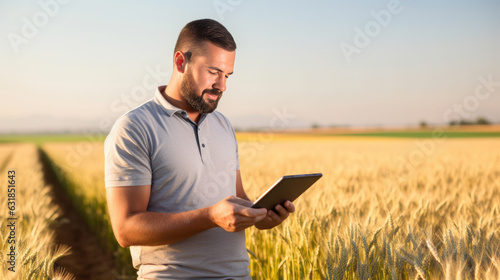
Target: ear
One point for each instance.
(180, 61)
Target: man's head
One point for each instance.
(204, 57)
(199, 31)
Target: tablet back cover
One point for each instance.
(286, 188)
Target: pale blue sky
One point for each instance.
(88, 61)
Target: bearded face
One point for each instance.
(199, 102)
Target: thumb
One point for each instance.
(253, 212)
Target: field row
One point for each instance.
(27, 239)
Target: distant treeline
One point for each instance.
(478, 121)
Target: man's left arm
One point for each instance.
(272, 219)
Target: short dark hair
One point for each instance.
(198, 31)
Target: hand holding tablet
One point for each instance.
(286, 188)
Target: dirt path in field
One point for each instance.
(88, 260)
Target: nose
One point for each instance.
(220, 83)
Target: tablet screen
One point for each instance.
(286, 188)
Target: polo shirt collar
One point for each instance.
(169, 108)
(166, 106)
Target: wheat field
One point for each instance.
(80, 168)
(373, 217)
(34, 239)
(384, 209)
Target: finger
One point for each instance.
(283, 213)
(256, 219)
(243, 226)
(253, 212)
(260, 218)
(241, 201)
(289, 206)
(273, 218)
(246, 222)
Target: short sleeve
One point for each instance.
(127, 161)
(235, 142)
(230, 129)
(237, 156)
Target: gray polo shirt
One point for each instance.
(189, 166)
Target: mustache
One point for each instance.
(213, 91)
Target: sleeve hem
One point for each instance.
(127, 183)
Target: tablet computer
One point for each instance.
(286, 188)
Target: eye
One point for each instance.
(212, 73)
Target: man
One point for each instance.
(173, 183)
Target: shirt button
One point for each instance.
(203, 145)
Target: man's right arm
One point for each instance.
(133, 225)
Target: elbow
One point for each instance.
(123, 243)
(122, 238)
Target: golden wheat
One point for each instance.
(385, 208)
(80, 168)
(36, 250)
(368, 184)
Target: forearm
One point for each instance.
(240, 192)
(152, 228)
(244, 196)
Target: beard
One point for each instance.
(189, 92)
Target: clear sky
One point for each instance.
(74, 63)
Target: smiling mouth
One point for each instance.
(212, 95)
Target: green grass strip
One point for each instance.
(43, 138)
(425, 134)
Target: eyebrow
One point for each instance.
(217, 69)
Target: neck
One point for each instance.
(172, 94)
